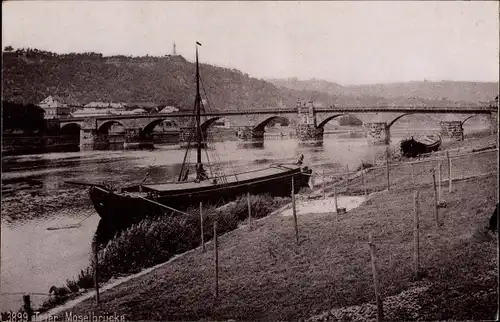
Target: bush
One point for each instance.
(72, 286)
(155, 240)
(364, 165)
(85, 279)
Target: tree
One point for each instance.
(8, 49)
(28, 118)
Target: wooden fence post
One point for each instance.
(324, 192)
(201, 228)
(449, 171)
(435, 198)
(363, 180)
(439, 182)
(294, 210)
(346, 179)
(412, 174)
(416, 242)
(249, 211)
(373, 255)
(96, 273)
(387, 168)
(336, 204)
(216, 260)
(27, 307)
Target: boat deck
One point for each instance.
(231, 178)
(428, 140)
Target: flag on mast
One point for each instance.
(198, 43)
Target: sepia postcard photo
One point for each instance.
(249, 161)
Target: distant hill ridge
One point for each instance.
(30, 75)
(464, 91)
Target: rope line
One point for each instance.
(231, 166)
(24, 293)
(77, 225)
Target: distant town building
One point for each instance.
(96, 105)
(105, 105)
(55, 107)
(138, 111)
(222, 123)
(168, 109)
(149, 107)
(92, 111)
(104, 108)
(117, 106)
(166, 126)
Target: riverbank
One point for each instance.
(265, 276)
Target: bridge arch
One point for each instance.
(70, 128)
(104, 127)
(151, 125)
(468, 118)
(261, 126)
(70, 133)
(328, 119)
(208, 123)
(397, 118)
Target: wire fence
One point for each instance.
(408, 174)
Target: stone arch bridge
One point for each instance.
(249, 125)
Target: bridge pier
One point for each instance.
(309, 134)
(134, 138)
(187, 134)
(307, 131)
(493, 123)
(378, 133)
(170, 137)
(249, 137)
(86, 139)
(452, 129)
(91, 139)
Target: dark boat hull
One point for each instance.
(124, 209)
(411, 148)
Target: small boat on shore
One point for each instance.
(129, 204)
(412, 147)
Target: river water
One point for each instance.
(35, 197)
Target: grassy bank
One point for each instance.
(264, 275)
(155, 240)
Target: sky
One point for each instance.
(352, 42)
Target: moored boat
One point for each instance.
(130, 204)
(412, 147)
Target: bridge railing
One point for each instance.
(353, 109)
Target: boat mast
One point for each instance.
(199, 166)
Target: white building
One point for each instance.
(117, 106)
(169, 109)
(222, 123)
(54, 107)
(92, 111)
